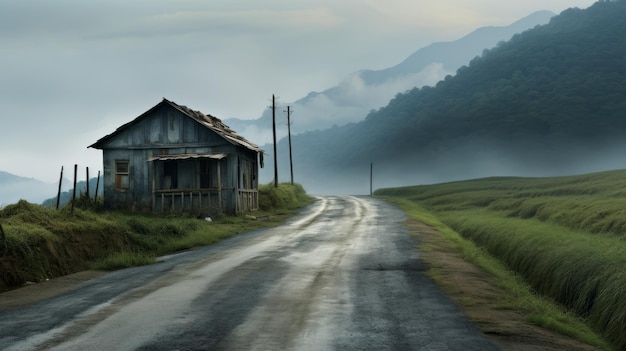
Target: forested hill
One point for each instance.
(550, 101)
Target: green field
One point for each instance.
(565, 236)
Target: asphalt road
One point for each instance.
(343, 275)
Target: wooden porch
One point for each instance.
(203, 200)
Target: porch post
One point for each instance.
(153, 187)
(237, 208)
(219, 185)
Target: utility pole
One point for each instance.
(289, 134)
(371, 176)
(274, 130)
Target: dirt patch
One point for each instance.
(478, 294)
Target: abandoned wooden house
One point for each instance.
(172, 158)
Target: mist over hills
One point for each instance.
(14, 188)
(354, 97)
(550, 101)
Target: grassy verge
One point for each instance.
(562, 237)
(517, 294)
(43, 243)
(282, 199)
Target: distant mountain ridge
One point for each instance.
(7, 178)
(354, 97)
(452, 55)
(550, 101)
(14, 188)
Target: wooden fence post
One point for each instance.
(59, 192)
(3, 241)
(95, 196)
(87, 186)
(74, 190)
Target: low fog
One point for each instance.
(460, 163)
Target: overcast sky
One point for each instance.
(73, 71)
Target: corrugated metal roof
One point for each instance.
(187, 156)
(208, 121)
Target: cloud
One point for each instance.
(355, 89)
(262, 136)
(433, 14)
(354, 98)
(224, 24)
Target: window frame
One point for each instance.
(122, 176)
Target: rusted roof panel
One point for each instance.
(187, 156)
(216, 125)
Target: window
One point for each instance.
(205, 174)
(170, 175)
(121, 175)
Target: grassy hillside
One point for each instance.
(566, 236)
(42, 243)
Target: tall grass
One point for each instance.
(565, 236)
(518, 293)
(162, 235)
(42, 243)
(124, 259)
(578, 270)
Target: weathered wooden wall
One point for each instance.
(167, 131)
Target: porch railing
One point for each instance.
(247, 200)
(205, 199)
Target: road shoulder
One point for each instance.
(34, 292)
(478, 294)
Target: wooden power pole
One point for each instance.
(274, 131)
(289, 134)
(371, 177)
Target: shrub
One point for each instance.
(284, 197)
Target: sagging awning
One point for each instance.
(216, 156)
